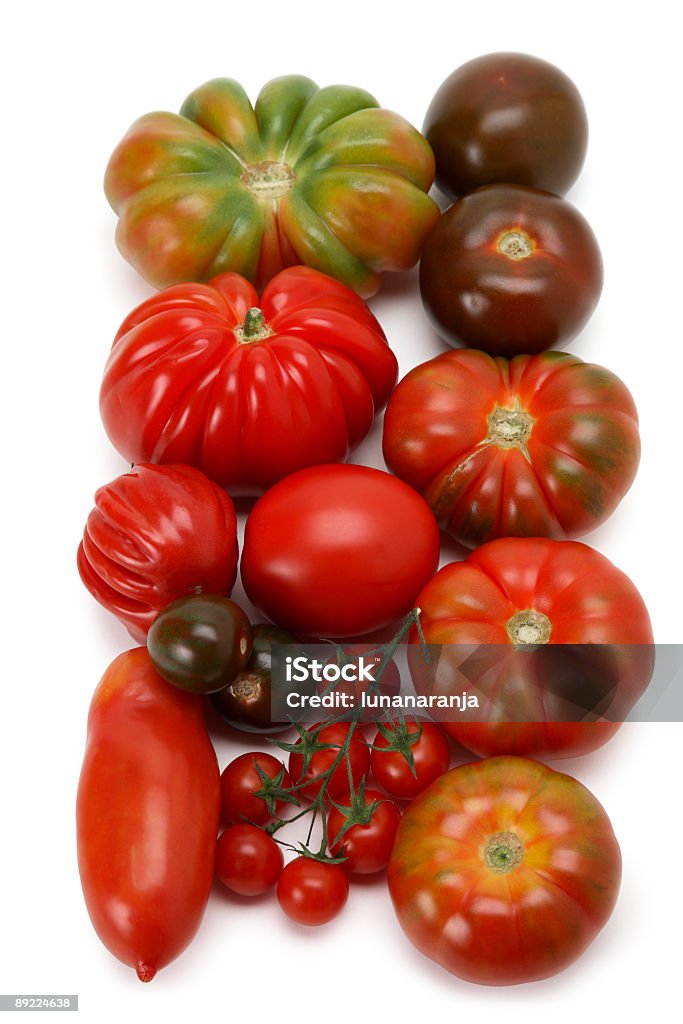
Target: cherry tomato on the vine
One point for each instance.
(248, 860)
(391, 766)
(240, 782)
(322, 760)
(367, 844)
(311, 892)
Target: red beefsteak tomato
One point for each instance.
(247, 391)
(550, 637)
(539, 446)
(504, 871)
(147, 815)
(156, 534)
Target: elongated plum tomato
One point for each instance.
(552, 640)
(338, 551)
(541, 446)
(504, 871)
(248, 390)
(510, 270)
(146, 814)
(508, 118)
(157, 533)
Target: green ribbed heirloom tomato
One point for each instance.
(504, 871)
(323, 177)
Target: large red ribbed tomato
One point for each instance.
(247, 391)
(539, 446)
(157, 533)
(147, 814)
(550, 637)
(504, 871)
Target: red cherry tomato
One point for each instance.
(311, 892)
(431, 756)
(240, 782)
(338, 551)
(322, 760)
(248, 860)
(366, 845)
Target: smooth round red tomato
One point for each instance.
(367, 844)
(552, 640)
(541, 446)
(240, 782)
(247, 390)
(338, 551)
(248, 860)
(504, 871)
(311, 892)
(391, 769)
(146, 814)
(509, 118)
(510, 270)
(333, 736)
(157, 533)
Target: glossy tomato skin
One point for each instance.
(311, 892)
(507, 118)
(504, 871)
(510, 270)
(240, 782)
(185, 382)
(539, 446)
(562, 641)
(157, 533)
(338, 551)
(367, 847)
(323, 177)
(338, 785)
(147, 815)
(248, 860)
(431, 758)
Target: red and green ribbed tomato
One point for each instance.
(247, 390)
(552, 639)
(538, 446)
(504, 871)
(323, 177)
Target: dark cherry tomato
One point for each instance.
(322, 760)
(240, 781)
(388, 684)
(198, 643)
(507, 117)
(311, 892)
(367, 844)
(247, 702)
(390, 767)
(248, 860)
(510, 270)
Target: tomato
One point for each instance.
(338, 551)
(157, 533)
(552, 639)
(198, 643)
(391, 766)
(247, 390)
(368, 842)
(542, 446)
(510, 270)
(240, 782)
(248, 702)
(509, 118)
(312, 892)
(248, 860)
(307, 765)
(146, 814)
(504, 871)
(307, 175)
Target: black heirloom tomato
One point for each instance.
(510, 270)
(507, 117)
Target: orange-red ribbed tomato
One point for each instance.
(504, 871)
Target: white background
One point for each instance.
(74, 76)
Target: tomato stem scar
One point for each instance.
(503, 852)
